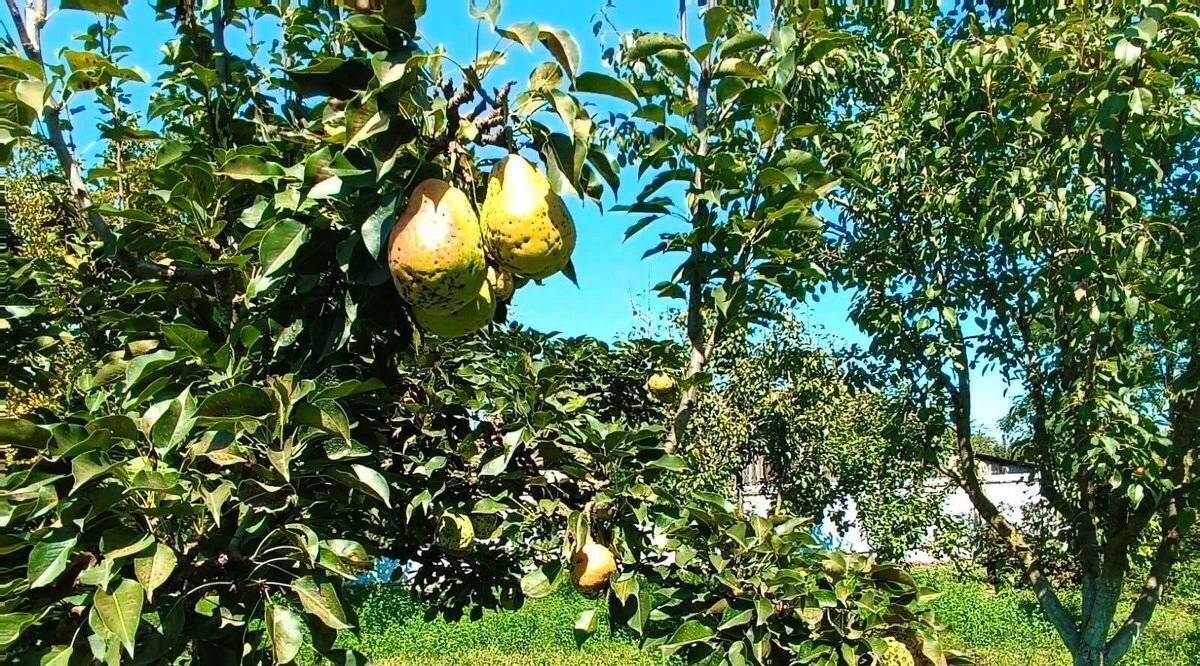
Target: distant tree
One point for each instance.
(779, 400)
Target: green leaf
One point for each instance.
(374, 482)
(715, 19)
(11, 626)
(742, 41)
(345, 558)
(110, 7)
(771, 177)
(732, 619)
(669, 462)
(540, 582)
(319, 597)
(280, 244)
(689, 632)
(154, 569)
(326, 416)
(32, 94)
(49, 557)
(603, 84)
(214, 499)
(173, 420)
(58, 656)
(123, 541)
(87, 467)
(1139, 100)
(256, 169)
(1127, 53)
(739, 68)
(236, 402)
(525, 34)
(1187, 18)
(585, 626)
(346, 389)
(378, 225)
(15, 63)
(286, 632)
(489, 13)
(121, 611)
(22, 433)
(563, 47)
(186, 338)
(653, 43)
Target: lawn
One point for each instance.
(999, 629)
(395, 632)
(1008, 629)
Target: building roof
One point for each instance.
(1000, 460)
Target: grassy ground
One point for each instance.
(395, 632)
(1008, 628)
(1004, 629)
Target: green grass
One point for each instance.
(396, 633)
(999, 629)
(1008, 628)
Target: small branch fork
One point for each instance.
(29, 26)
(489, 116)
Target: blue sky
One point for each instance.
(614, 279)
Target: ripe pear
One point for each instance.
(591, 567)
(455, 534)
(463, 321)
(502, 283)
(526, 226)
(435, 250)
(896, 654)
(660, 385)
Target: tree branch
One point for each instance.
(1164, 558)
(29, 28)
(968, 478)
(701, 343)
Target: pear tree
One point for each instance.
(1018, 197)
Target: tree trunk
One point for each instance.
(1098, 619)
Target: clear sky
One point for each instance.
(614, 280)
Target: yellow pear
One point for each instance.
(896, 654)
(463, 321)
(502, 283)
(660, 385)
(591, 567)
(455, 534)
(526, 226)
(435, 250)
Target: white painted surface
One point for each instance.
(1010, 492)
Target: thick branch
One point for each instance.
(701, 343)
(968, 477)
(18, 17)
(1147, 601)
(83, 202)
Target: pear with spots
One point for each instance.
(435, 250)
(466, 320)
(526, 226)
(502, 282)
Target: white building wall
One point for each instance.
(1011, 493)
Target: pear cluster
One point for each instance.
(454, 267)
